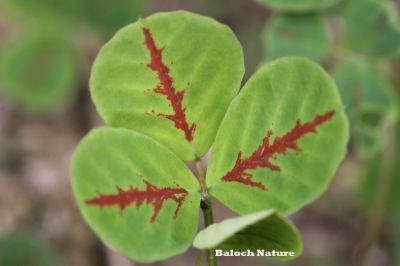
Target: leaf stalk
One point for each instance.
(206, 207)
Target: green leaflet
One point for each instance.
(110, 169)
(302, 35)
(369, 100)
(298, 6)
(23, 248)
(205, 63)
(273, 100)
(273, 232)
(38, 72)
(379, 34)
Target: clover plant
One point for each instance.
(169, 88)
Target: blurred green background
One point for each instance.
(46, 51)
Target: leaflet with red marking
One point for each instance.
(167, 88)
(151, 195)
(266, 152)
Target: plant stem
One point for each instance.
(202, 178)
(208, 220)
(199, 258)
(206, 207)
(382, 189)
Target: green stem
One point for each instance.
(208, 220)
(202, 178)
(380, 196)
(199, 259)
(206, 207)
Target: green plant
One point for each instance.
(167, 88)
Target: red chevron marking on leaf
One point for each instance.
(151, 195)
(167, 88)
(267, 151)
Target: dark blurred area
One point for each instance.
(46, 51)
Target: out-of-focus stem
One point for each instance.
(380, 196)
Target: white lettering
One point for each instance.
(249, 253)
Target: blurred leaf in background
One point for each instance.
(369, 100)
(105, 16)
(301, 35)
(39, 72)
(373, 27)
(40, 7)
(298, 6)
(23, 248)
(108, 16)
(40, 62)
